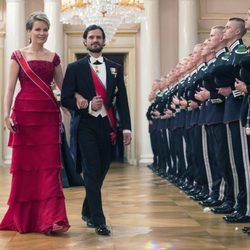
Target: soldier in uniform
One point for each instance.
(216, 129)
(242, 213)
(153, 125)
(201, 95)
(233, 33)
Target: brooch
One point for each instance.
(113, 72)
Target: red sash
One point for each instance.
(34, 77)
(100, 90)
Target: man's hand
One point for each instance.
(168, 113)
(176, 101)
(157, 113)
(193, 104)
(225, 91)
(205, 94)
(127, 138)
(198, 96)
(172, 105)
(81, 102)
(96, 103)
(183, 102)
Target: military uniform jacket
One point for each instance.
(215, 109)
(233, 104)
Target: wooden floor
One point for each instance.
(144, 212)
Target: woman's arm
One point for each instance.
(58, 76)
(9, 93)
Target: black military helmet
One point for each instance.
(224, 76)
(245, 69)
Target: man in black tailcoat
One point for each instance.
(91, 87)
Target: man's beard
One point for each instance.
(96, 49)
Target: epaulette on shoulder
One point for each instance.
(226, 56)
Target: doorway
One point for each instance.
(121, 50)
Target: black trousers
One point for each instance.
(200, 174)
(168, 154)
(189, 170)
(219, 134)
(96, 148)
(240, 168)
(172, 150)
(181, 165)
(194, 157)
(162, 142)
(154, 146)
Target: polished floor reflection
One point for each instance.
(144, 212)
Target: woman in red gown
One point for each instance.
(36, 201)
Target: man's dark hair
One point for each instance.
(241, 24)
(93, 27)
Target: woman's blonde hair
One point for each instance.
(37, 16)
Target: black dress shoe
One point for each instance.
(185, 184)
(160, 172)
(90, 224)
(150, 166)
(234, 214)
(88, 221)
(199, 197)
(194, 191)
(238, 219)
(224, 208)
(246, 230)
(180, 182)
(169, 177)
(187, 187)
(102, 230)
(85, 218)
(174, 179)
(210, 202)
(163, 175)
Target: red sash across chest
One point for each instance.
(100, 90)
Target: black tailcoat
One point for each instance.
(78, 79)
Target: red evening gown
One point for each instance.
(36, 200)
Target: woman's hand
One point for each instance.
(9, 124)
(81, 102)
